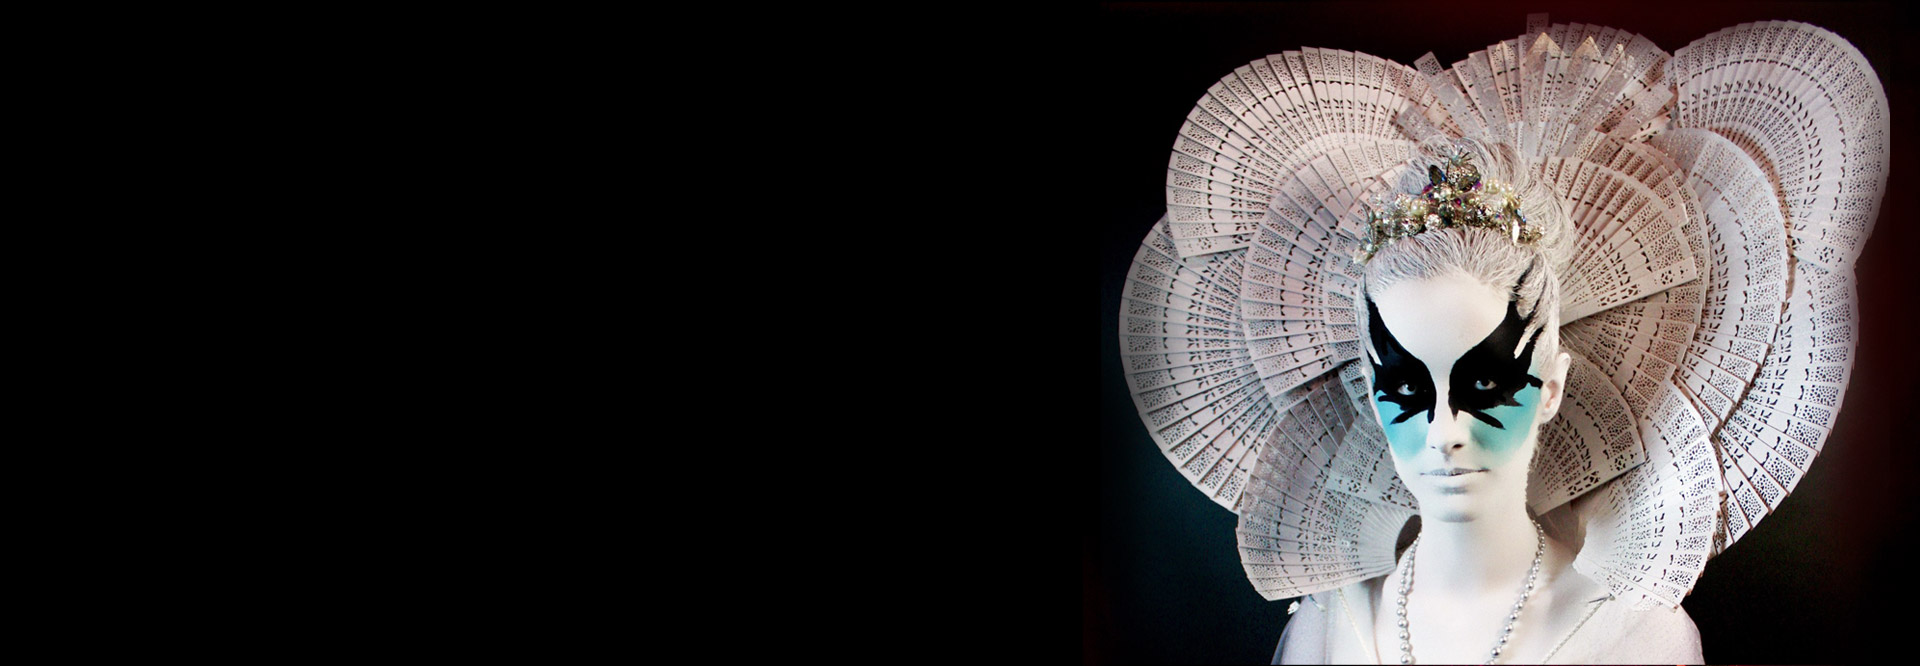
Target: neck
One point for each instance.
(1475, 557)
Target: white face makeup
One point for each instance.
(1457, 406)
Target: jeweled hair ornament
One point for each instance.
(1454, 197)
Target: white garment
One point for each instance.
(1336, 627)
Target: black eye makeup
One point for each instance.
(1488, 375)
(1485, 377)
(1399, 377)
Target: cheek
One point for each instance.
(1516, 421)
(1405, 437)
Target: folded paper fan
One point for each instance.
(1258, 127)
(1790, 123)
(1649, 533)
(1300, 281)
(1324, 504)
(1187, 366)
(1746, 285)
(1717, 199)
(1808, 108)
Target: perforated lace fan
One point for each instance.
(1719, 195)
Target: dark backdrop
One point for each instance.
(1818, 581)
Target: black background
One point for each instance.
(1820, 580)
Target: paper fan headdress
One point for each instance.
(1716, 199)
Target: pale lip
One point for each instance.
(1456, 471)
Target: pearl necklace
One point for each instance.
(1406, 584)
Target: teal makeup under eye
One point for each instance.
(1500, 442)
(1405, 437)
(1490, 387)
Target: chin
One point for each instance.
(1451, 509)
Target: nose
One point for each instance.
(1448, 433)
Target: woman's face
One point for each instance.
(1457, 393)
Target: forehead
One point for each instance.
(1438, 319)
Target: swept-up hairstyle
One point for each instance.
(1529, 274)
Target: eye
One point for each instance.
(1484, 385)
(1404, 389)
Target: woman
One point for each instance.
(1579, 424)
(1705, 355)
(1464, 363)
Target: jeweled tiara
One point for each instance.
(1455, 197)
